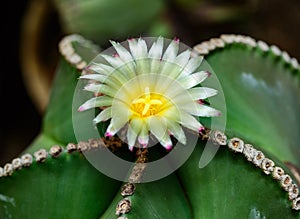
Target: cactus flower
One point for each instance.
(149, 91)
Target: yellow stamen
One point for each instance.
(150, 104)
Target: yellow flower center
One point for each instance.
(147, 105)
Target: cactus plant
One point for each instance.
(255, 173)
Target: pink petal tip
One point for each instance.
(169, 147)
(201, 102)
(208, 73)
(80, 109)
(144, 145)
(108, 134)
(176, 39)
(201, 129)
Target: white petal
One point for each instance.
(118, 122)
(183, 58)
(101, 88)
(200, 93)
(138, 48)
(115, 62)
(144, 136)
(110, 131)
(190, 122)
(197, 93)
(157, 126)
(141, 58)
(175, 68)
(104, 115)
(131, 138)
(177, 131)
(142, 50)
(171, 52)
(201, 110)
(143, 66)
(121, 108)
(193, 79)
(133, 47)
(181, 99)
(172, 113)
(129, 70)
(163, 84)
(155, 55)
(171, 89)
(101, 68)
(115, 80)
(123, 53)
(127, 94)
(170, 69)
(155, 51)
(96, 102)
(135, 126)
(155, 66)
(166, 142)
(119, 76)
(96, 77)
(192, 65)
(125, 69)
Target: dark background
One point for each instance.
(20, 120)
(275, 22)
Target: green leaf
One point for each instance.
(41, 141)
(231, 187)
(262, 95)
(65, 187)
(160, 199)
(262, 99)
(57, 122)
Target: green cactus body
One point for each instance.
(261, 88)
